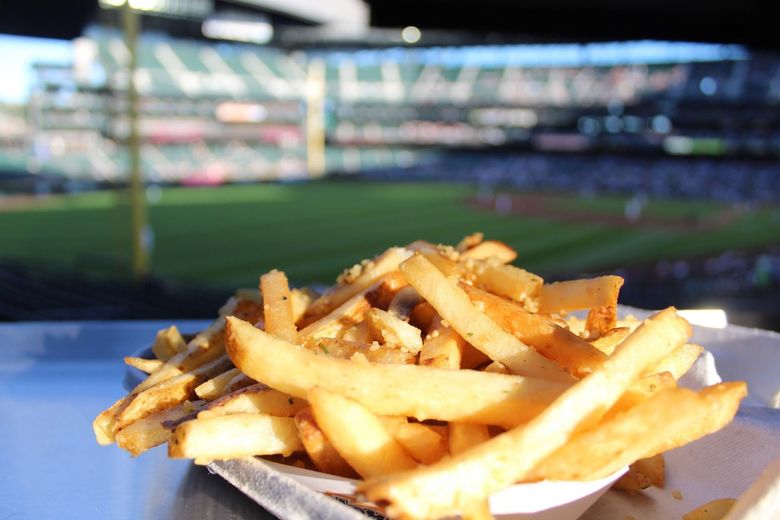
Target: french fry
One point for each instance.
(632, 481)
(373, 352)
(680, 361)
(653, 467)
(470, 241)
(357, 280)
(277, 306)
(169, 393)
(149, 432)
(443, 348)
(320, 450)
(490, 249)
(508, 280)
(142, 364)
(574, 295)
(611, 339)
(389, 329)
(474, 326)
(423, 315)
(405, 390)
(358, 435)
(168, 343)
(451, 485)
(568, 350)
(238, 382)
(215, 387)
(600, 320)
(254, 399)
(676, 415)
(464, 436)
(215, 438)
(422, 442)
(347, 314)
(358, 333)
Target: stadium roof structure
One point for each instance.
(474, 21)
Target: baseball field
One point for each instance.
(227, 236)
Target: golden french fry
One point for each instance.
(358, 435)
(373, 352)
(277, 306)
(354, 281)
(464, 436)
(144, 365)
(676, 415)
(392, 330)
(347, 314)
(151, 431)
(254, 399)
(600, 320)
(320, 450)
(632, 481)
(422, 442)
(474, 326)
(215, 387)
(490, 249)
(574, 295)
(568, 350)
(451, 485)
(653, 467)
(713, 510)
(443, 348)
(611, 339)
(169, 393)
(680, 361)
(470, 241)
(168, 343)
(215, 438)
(509, 281)
(405, 390)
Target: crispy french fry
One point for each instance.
(490, 249)
(451, 485)
(470, 241)
(373, 352)
(611, 339)
(358, 435)
(600, 320)
(347, 314)
(169, 393)
(464, 436)
(277, 306)
(215, 387)
(553, 341)
(392, 330)
(358, 333)
(422, 442)
(168, 343)
(574, 295)
(632, 481)
(474, 326)
(142, 364)
(149, 432)
(215, 438)
(443, 348)
(680, 361)
(301, 299)
(508, 280)
(406, 390)
(676, 415)
(423, 315)
(320, 450)
(254, 399)
(653, 467)
(356, 280)
(238, 382)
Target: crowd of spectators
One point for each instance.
(729, 180)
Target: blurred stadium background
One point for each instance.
(309, 135)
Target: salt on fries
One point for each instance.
(438, 374)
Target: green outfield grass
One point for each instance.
(227, 236)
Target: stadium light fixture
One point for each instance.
(257, 29)
(411, 34)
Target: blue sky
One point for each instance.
(17, 54)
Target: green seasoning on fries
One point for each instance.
(438, 375)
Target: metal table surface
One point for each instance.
(56, 377)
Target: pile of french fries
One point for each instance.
(436, 375)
